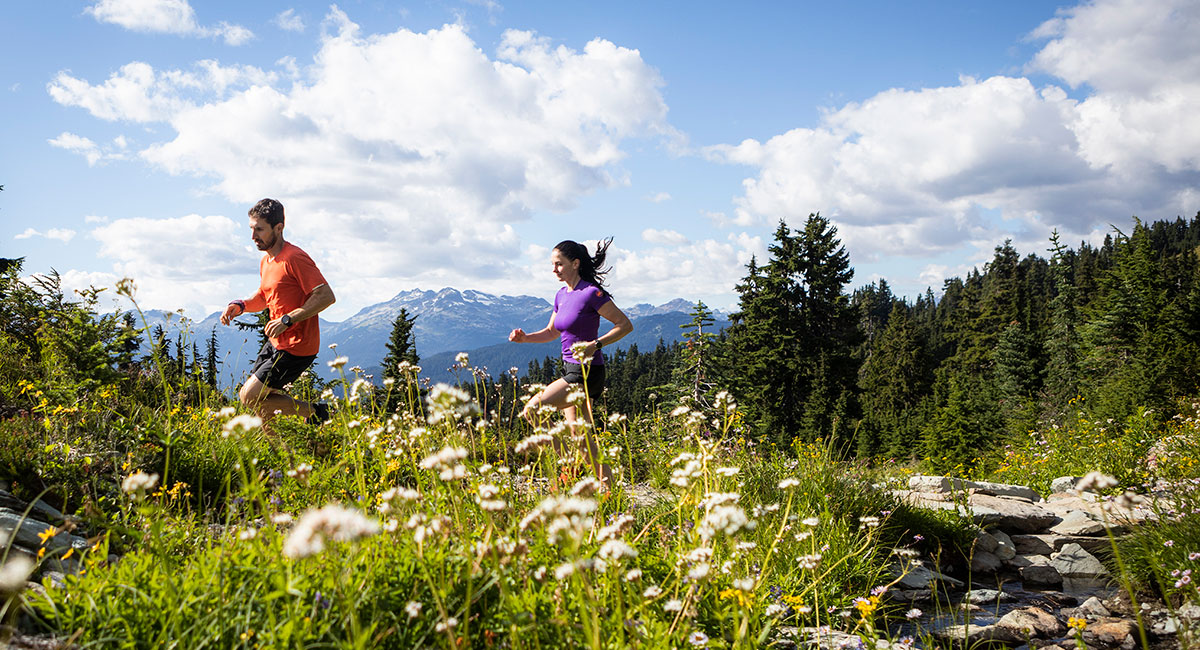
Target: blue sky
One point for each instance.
(453, 143)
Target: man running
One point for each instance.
(294, 291)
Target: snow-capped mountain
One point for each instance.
(447, 322)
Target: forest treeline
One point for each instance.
(1110, 331)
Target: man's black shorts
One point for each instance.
(278, 368)
(595, 378)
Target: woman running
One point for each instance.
(576, 318)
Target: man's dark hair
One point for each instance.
(268, 209)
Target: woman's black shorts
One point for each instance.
(595, 378)
(278, 368)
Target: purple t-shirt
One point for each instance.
(577, 316)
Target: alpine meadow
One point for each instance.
(767, 485)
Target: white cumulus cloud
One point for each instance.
(927, 171)
(668, 237)
(287, 20)
(400, 157)
(181, 262)
(63, 235)
(164, 16)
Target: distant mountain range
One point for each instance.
(448, 321)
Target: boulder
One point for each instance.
(1005, 548)
(27, 533)
(943, 484)
(39, 510)
(985, 541)
(918, 577)
(1005, 490)
(969, 635)
(821, 638)
(1010, 514)
(985, 597)
(1077, 522)
(1041, 575)
(984, 562)
(1074, 562)
(1064, 484)
(1033, 544)
(1032, 622)
(1110, 632)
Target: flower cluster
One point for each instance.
(332, 522)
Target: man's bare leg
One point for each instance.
(266, 401)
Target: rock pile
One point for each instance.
(1035, 549)
(41, 534)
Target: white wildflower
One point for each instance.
(15, 573)
(241, 424)
(332, 522)
(413, 608)
(615, 549)
(137, 484)
(1096, 481)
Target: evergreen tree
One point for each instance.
(211, 349)
(692, 381)
(794, 335)
(401, 345)
(1062, 341)
(892, 380)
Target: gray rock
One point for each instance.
(1010, 514)
(942, 484)
(1032, 622)
(1006, 490)
(819, 639)
(985, 541)
(1022, 561)
(1064, 484)
(1033, 544)
(1074, 562)
(1089, 544)
(1189, 612)
(1093, 608)
(921, 577)
(25, 532)
(986, 597)
(1111, 632)
(56, 579)
(1005, 548)
(984, 562)
(1041, 575)
(910, 595)
(969, 635)
(1077, 522)
(39, 510)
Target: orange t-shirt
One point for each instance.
(288, 281)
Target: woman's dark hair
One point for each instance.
(591, 267)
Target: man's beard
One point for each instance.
(266, 245)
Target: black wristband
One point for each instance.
(239, 303)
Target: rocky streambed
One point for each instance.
(1034, 570)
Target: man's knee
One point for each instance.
(252, 392)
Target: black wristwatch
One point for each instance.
(286, 319)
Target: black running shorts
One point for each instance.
(278, 368)
(595, 378)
